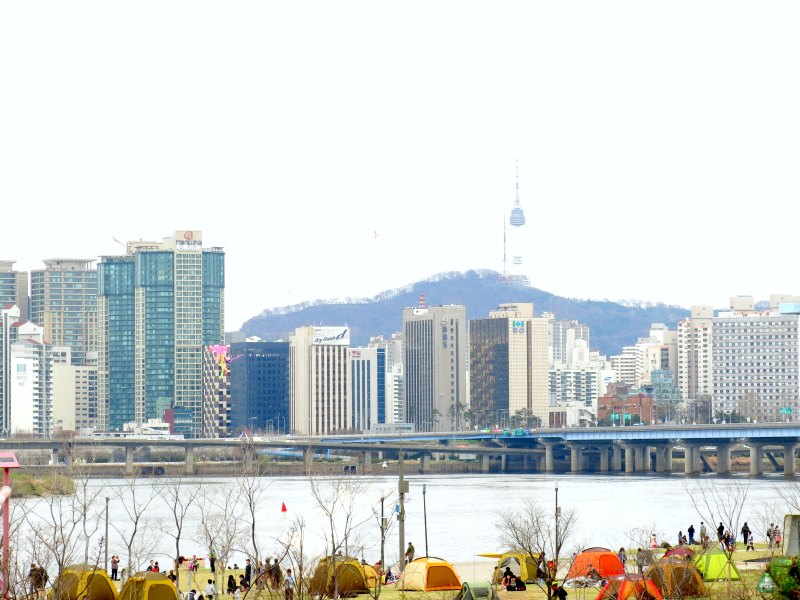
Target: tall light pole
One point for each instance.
(402, 489)
(555, 541)
(106, 538)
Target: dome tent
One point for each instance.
(148, 586)
(429, 574)
(342, 572)
(77, 582)
(604, 561)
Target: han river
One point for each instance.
(462, 510)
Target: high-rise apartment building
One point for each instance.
(9, 322)
(564, 335)
(158, 307)
(14, 287)
(509, 364)
(30, 393)
(260, 382)
(435, 366)
(319, 402)
(694, 367)
(216, 392)
(756, 361)
(64, 304)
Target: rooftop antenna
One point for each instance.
(421, 303)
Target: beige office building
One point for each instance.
(509, 367)
(435, 367)
(319, 402)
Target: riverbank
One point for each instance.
(27, 485)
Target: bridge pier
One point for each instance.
(616, 458)
(660, 458)
(527, 460)
(129, 461)
(603, 459)
(755, 459)
(789, 460)
(575, 459)
(366, 461)
(723, 459)
(248, 460)
(485, 460)
(308, 459)
(425, 463)
(629, 459)
(548, 457)
(689, 465)
(642, 458)
(668, 458)
(189, 465)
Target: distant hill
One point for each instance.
(613, 325)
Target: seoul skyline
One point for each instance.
(343, 151)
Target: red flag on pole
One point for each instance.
(283, 507)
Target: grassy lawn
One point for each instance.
(744, 588)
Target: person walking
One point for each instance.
(622, 555)
(720, 531)
(212, 558)
(289, 584)
(770, 531)
(248, 572)
(703, 534)
(745, 532)
(690, 531)
(114, 568)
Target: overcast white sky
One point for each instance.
(658, 141)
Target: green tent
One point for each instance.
(477, 590)
(715, 566)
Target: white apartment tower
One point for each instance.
(695, 338)
(435, 366)
(362, 381)
(318, 402)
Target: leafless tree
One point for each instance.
(251, 485)
(135, 502)
(178, 498)
(293, 547)
(541, 534)
(720, 502)
(220, 524)
(337, 496)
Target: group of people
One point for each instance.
(726, 539)
(511, 582)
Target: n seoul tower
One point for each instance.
(513, 241)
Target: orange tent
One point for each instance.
(622, 587)
(604, 561)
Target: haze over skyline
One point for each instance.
(344, 149)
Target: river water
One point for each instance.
(462, 510)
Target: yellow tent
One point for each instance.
(344, 572)
(370, 575)
(148, 586)
(83, 581)
(428, 574)
(521, 564)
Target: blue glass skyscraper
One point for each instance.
(158, 307)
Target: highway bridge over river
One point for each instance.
(633, 449)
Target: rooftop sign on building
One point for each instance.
(331, 336)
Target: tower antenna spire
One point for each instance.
(516, 202)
